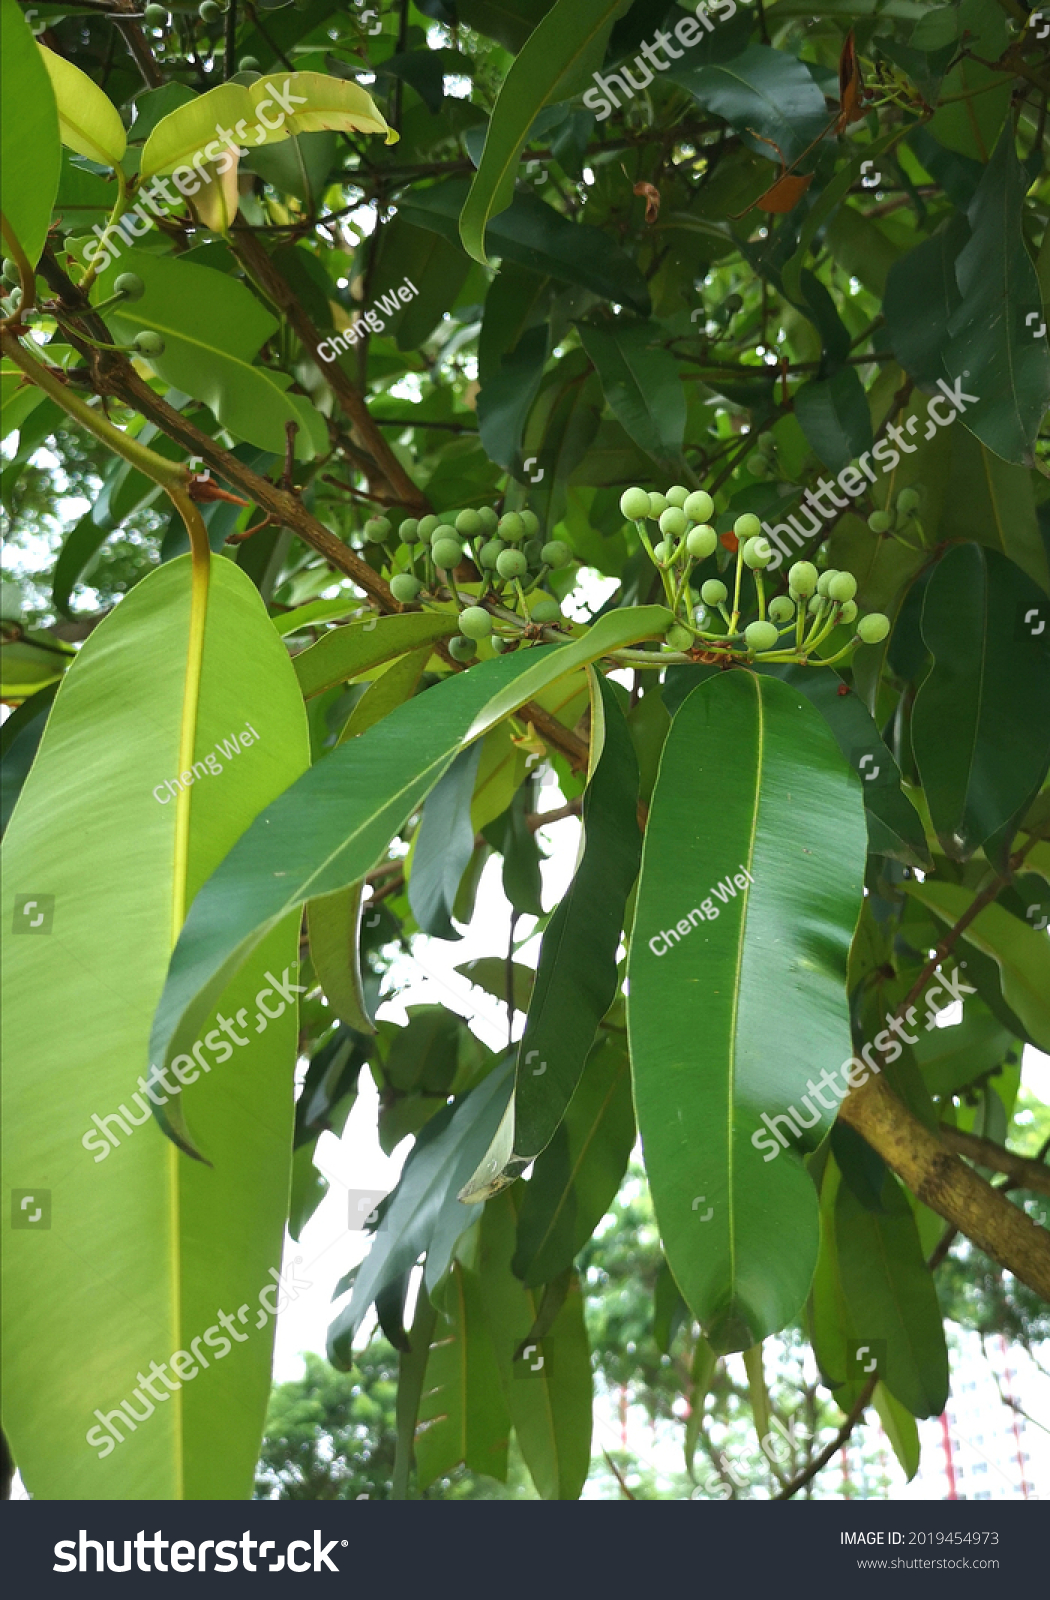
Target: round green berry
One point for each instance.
(674, 522)
(873, 628)
(469, 524)
(248, 64)
(842, 587)
(156, 16)
(512, 527)
(679, 638)
(677, 495)
(701, 542)
(489, 519)
(880, 522)
(546, 610)
(803, 578)
(149, 343)
(555, 554)
(461, 649)
(767, 444)
(531, 522)
(848, 612)
(377, 529)
(781, 609)
(634, 504)
(405, 588)
(758, 466)
(448, 553)
(757, 553)
(130, 285)
(11, 274)
(761, 635)
(208, 11)
(699, 507)
(489, 552)
(428, 526)
(663, 552)
(909, 501)
(816, 605)
(501, 645)
(475, 622)
(512, 564)
(713, 592)
(747, 526)
(658, 504)
(533, 550)
(825, 578)
(408, 532)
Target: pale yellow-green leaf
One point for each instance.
(88, 121)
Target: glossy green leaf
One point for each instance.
(1021, 953)
(443, 847)
(951, 1058)
(575, 1180)
(890, 1298)
(334, 924)
(548, 1390)
(900, 1428)
(768, 96)
(391, 689)
(133, 1251)
(922, 296)
(88, 121)
(831, 1331)
(462, 1417)
(506, 399)
(298, 166)
(641, 384)
(345, 653)
(31, 151)
(833, 414)
(576, 979)
(509, 22)
(980, 728)
(991, 344)
(752, 799)
(567, 45)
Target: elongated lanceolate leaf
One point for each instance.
(737, 991)
(346, 652)
(31, 151)
(443, 846)
(462, 1416)
(88, 120)
(576, 978)
(146, 1248)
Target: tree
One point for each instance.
(742, 309)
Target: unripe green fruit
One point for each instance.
(663, 551)
(816, 605)
(767, 444)
(546, 610)
(699, 507)
(679, 638)
(405, 588)
(130, 285)
(428, 526)
(732, 303)
(713, 592)
(757, 553)
(908, 501)
(512, 528)
(761, 635)
(208, 11)
(475, 622)
(502, 645)
(825, 578)
(248, 64)
(156, 16)
(677, 495)
(489, 519)
(880, 522)
(489, 552)
(149, 343)
(408, 532)
(803, 578)
(377, 529)
(448, 553)
(758, 466)
(849, 612)
(634, 504)
(11, 274)
(747, 526)
(658, 504)
(14, 299)
(512, 564)
(795, 596)
(555, 554)
(469, 524)
(701, 543)
(531, 522)
(781, 609)
(674, 522)
(842, 587)
(533, 550)
(873, 628)
(461, 649)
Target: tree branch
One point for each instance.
(1026, 1173)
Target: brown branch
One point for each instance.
(821, 1461)
(1026, 1174)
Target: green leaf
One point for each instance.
(549, 1405)
(1020, 952)
(833, 414)
(575, 1180)
(980, 727)
(751, 782)
(438, 268)
(423, 1213)
(334, 924)
(346, 653)
(146, 1247)
(212, 327)
(641, 384)
(462, 1417)
(31, 151)
(391, 689)
(509, 22)
(309, 1188)
(88, 121)
(900, 1429)
(443, 847)
(576, 980)
(890, 1297)
(951, 1058)
(298, 167)
(922, 296)
(504, 402)
(762, 92)
(569, 42)
(991, 344)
